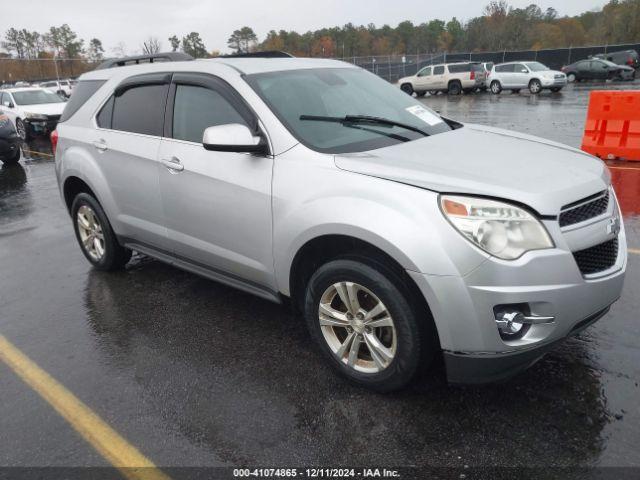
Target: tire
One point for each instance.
(11, 159)
(495, 87)
(112, 256)
(409, 344)
(407, 88)
(535, 86)
(21, 129)
(515, 90)
(455, 88)
(571, 78)
(555, 89)
(421, 94)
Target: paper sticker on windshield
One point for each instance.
(424, 115)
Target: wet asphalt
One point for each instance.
(197, 374)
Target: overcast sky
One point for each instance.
(131, 21)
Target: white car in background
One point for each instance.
(61, 87)
(32, 110)
(534, 76)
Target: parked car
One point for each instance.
(9, 141)
(534, 76)
(399, 234)
(32, 110)
(622, 57)
(596, 69)
(61, 87)
(453, 78)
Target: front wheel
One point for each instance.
(365, 324)
(535, 86)
(495, 87)
(21, 129)
(407, 88)
(95, 236)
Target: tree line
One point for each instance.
(500, 27)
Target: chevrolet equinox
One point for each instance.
(397, 234)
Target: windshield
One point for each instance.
(536, 66)
(340, 92)
(36, 97)
(608, 63)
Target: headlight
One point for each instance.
(35, 116)
(500, 229)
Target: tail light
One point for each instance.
(54, 141)
(473, 75)
(630, 62)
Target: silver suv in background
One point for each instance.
(397, 234)
(534, 76)
(453, 78)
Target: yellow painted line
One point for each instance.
(634, 250)
(120, 453)
(31, 152)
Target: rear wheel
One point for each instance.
(495, 87)
(455, 88)
(407, 88)
(365, 324)
(95, 236)
(535, 86)
(571, 77)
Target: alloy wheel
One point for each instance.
(357, 327)
(90, 230)
(20, 129)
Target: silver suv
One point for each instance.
(398, 234)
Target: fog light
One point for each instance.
(513, 323)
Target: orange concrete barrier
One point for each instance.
(612, 130)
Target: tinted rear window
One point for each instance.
(438, 70)
(465, 67)
(82, 92)
(140, 110)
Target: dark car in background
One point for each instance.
(622, 57)
(597, 69)
(9, 142)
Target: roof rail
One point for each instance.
(151, 58)
(264, 54)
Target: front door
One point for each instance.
(423, 80)
(217, 204)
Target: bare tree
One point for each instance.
(151, 45)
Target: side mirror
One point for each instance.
(232, 137)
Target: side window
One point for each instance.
(197, 108)
(103, 119)
(425, 72)
(83, 92)
(439, 70)
(519, 68)
(140, 109)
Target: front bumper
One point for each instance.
(548, 281)
(41, 127)
(554, 82)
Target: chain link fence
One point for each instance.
(394, 67)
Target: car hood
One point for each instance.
(488, 161)
(45, 108)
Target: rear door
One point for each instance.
(438, 80)
(520, 76)
(217, 204)
(126, 145)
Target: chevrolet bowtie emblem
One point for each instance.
(613, 227)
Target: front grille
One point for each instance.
(584, 209)
(597, 258)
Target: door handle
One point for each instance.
(100, 145)
(173, 165)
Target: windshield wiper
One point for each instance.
(347, 119)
